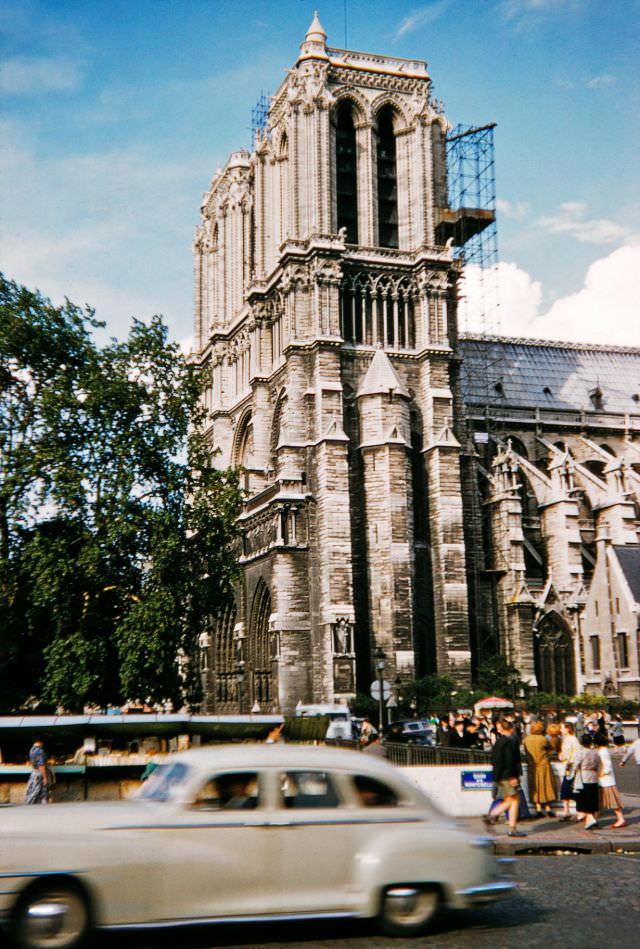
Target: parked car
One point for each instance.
(341, 723)
(414, 731)
(241, 832)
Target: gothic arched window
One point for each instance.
(554, 657)
(346, 172)
(387, 180)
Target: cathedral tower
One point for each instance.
(326, 310)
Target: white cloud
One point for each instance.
(21, 76)
(420, 17)
(600, 82)
(503, 299)
(520, 9)
(572, 220)
(517, 210)
(605, 310)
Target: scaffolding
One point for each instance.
(470, 221)
(259, 116)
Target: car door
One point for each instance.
(311, 842)
(214, 851)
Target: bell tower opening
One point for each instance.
(346, 172)
(387, 181)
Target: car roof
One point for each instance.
(280, 755)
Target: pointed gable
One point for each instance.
(381, 378)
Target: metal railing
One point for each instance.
(403, 755)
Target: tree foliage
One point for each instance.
(115, 531)
(497, 677)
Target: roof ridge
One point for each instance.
(554, 343)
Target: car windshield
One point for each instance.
(163, 783)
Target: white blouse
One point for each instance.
(606, 778)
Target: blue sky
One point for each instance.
(115, 116)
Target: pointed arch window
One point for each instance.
(261, 647)
(346, 173)
(387, 180)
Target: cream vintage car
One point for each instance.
(237, 833)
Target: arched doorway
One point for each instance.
(261, 653)
(555, 668)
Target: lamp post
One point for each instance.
(380, 657)
(240, 683)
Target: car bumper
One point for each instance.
(485, 892)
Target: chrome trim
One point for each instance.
(39, 873)
(489, 890)
(266, 823)
(481, 841)
(48, 910)
(225, 920)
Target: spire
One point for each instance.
(381, 378)
(315, 42)
(316, 32)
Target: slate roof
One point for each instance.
(531, 373)
(629, 560)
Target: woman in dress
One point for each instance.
(609, 795)
(542, 789)
(585, 784)
(569, 751)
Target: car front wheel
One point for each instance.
(407, 909)
(51, 915)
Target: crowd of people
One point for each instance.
(581, 748)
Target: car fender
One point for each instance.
(413, 854)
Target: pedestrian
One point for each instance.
(542, 789)
(585, 783)
(632, 750)
(579, 724)
(459, 736)
(569, 751)
(367, 731)
(37, 791)
(609, 795)
(555, 739)
(507, 769)
(443, 733)
(617, 732)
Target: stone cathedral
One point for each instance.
(396, 500)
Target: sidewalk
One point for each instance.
(546, 835)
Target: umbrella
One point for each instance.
(493, 702)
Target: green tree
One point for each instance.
(497, 677)
(429, 693)
(115, 531)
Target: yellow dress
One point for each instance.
(542, 788)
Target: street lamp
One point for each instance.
(380, 657)
(240, 682)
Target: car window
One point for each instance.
(163, 782)
(301, 789)
(374, 793)
(231, 791)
